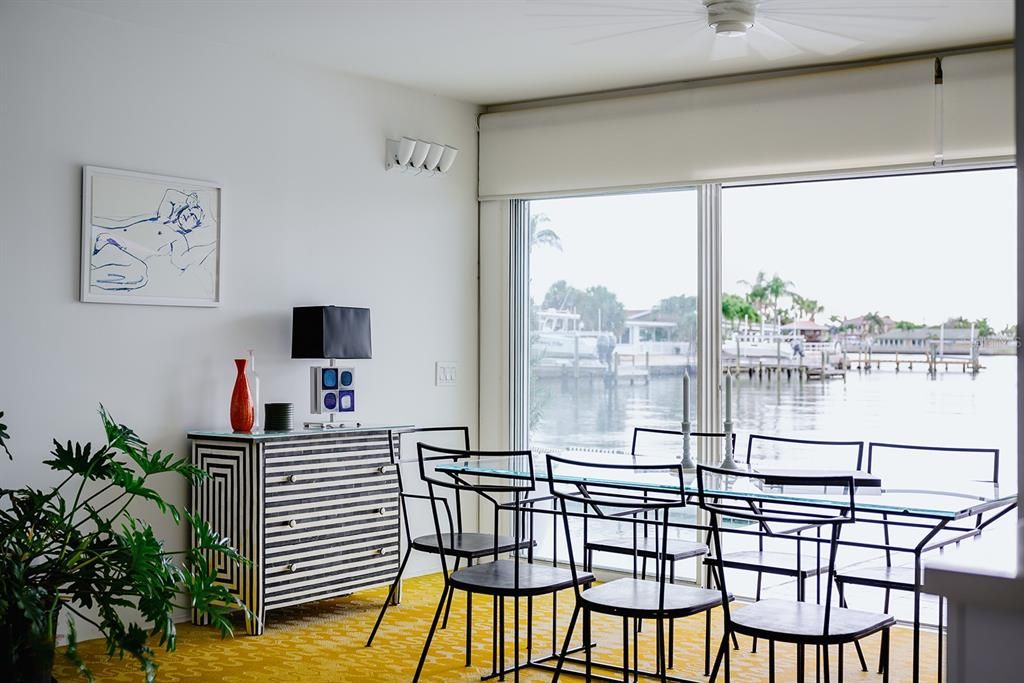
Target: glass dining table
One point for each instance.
(940, 514)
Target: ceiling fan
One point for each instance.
(771, 29)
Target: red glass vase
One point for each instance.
(242, 411)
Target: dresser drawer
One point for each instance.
(342, 524)
(315, 571)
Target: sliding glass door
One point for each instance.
(612, 323)
(873, 309)
(878, 310)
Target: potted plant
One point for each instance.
(77, 549)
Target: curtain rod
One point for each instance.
(745, 77)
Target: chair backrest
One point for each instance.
(901, 465)
(488, 488)
(808, 453)
(673, 445)
(617, 491)
(730, 493)
(404, 493)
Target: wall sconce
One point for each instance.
(419, 156)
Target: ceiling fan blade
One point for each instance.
(769, 44)
(723, 48)
(605, 9)
(808, 38)
(619, 34)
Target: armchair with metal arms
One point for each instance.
(499, 578)
(796, 622)
(457, 543)
(894, 461)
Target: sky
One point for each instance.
(922, 248)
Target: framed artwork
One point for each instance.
(150, 239)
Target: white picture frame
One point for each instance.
(150, 239)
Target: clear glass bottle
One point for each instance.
(254, 384)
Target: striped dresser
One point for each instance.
(316, 512)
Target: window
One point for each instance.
(874, 309)
(613, 316)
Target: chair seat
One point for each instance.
(789, 621)
(638, 598)
(647, 547)
(898, 578)
(468, 545)
(773, 563)
(498, 578)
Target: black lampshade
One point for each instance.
(330, 332)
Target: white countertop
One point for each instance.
(980, 572)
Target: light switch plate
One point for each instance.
(444, 373)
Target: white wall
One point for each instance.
(309, 217)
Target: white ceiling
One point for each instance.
(492, 51)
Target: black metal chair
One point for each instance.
(890, 577)
(658, 601)
(498, 578)
(797, 622)
(798, 565)
(464, 546)
(639, 545)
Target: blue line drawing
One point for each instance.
(180, 229)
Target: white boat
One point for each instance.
(763, 344)
(564, 345)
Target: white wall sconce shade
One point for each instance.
(405, 148)
(433, 156)
(419, 153)
(418, 156)
(447, 159)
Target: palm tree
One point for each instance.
(777, 288)
(543, 236)
(758, 294)
(874, 322)
(808, 307)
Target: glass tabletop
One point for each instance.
(969, 498)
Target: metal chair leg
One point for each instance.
(430, 633)
(723, 652)
(586, 644)
(800, 664)
(824, 662)
(885, 648)
(565, 645)
(707, 642)
(856, 643)
(391, 594)
(448, 607)
(771, 661)
(885, 610)
(757, 597)
(672, 624)
(661, 651)
(469, 629)
(941, 620)
(625, 649)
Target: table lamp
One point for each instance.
(332, 333)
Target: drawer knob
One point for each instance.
(292, 479)
(382, 511)
(291, 567)
(293, 523)
(382, 469)
(383, 551)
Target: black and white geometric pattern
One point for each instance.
(316, 513)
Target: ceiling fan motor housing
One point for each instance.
(730, 17)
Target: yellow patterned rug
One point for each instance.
(325, 641)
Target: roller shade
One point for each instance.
(977, 108)
(867, 117)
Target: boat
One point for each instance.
(763, 344)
